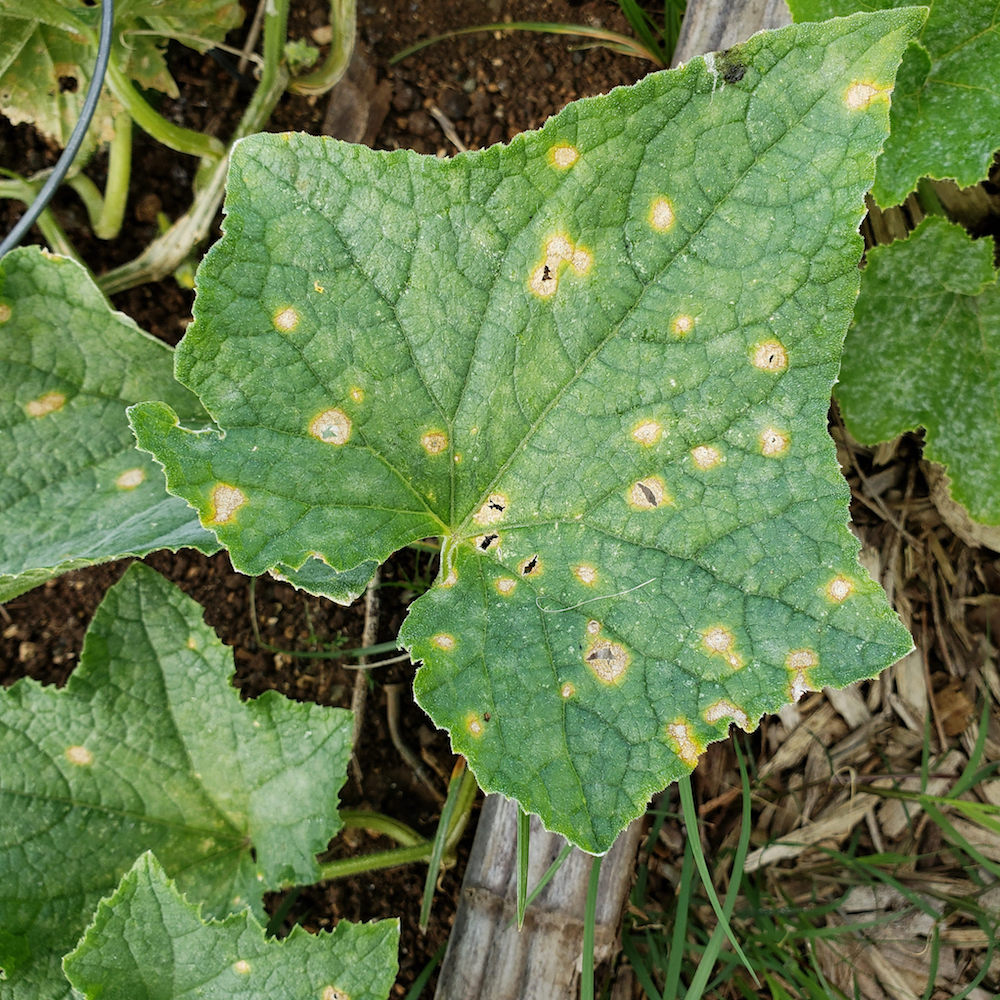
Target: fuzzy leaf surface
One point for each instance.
(148, 747)
(48, 49)
(596, 363)
(147, 940)
(924, 351)
(946, 107)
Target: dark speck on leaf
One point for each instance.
(546, 273)
(530, 565)
(734, 73)
(647, 493)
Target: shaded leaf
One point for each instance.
(924, 351)
(148, 941)
(597, 364)
(148, 747)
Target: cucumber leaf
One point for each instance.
(148, 747)
(597, 364)
(924, 351)
(946, 107)
(147, 940)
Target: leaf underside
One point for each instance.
(924, 351)
(596, 363)
(148, 940)
(148, 747)
(946, 105)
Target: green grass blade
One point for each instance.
(440, 839)
(419, 984)
(523, 847)
(589, 919)
(671, 985)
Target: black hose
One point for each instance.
(61, 168)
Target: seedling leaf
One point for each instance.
(924, 351)
(597, 363)
(947, 101)
(148, 747)
(147, 940)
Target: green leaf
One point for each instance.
(924, 351)
(148, 747)
(597, 364)
(148, 942)
(48, 50)
(946, 108)
(73, 488)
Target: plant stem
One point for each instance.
(183, 140)
(362, 863)
(109, 223)
(58, 241)
(360, 819)
(343, 24)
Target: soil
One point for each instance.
(482, 88)
(472, 91)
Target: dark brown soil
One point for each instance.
(489, 87)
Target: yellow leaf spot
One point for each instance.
(241, 967)
(285, 320)
(331, 427)
(647, 432)
(130, 479)
(559, 251)
(839, 589)
(5, 312)
(607, 660)
(473, 725)
(705, 456)
(661, 214)
(581, 261)
(492, 510)
(80, 756)
(563, 156)
(357, 394)
(648, 494)
(434, 442)
(451, 579)
(719, 641)
(567, 690)
(226, 501)
(505, 586)
(773, 443)
(593, 627)
(559, 247)
(585, 573)
(319, 288)
(685, 744)
(332, 993)
(444, 641)
(769, 356)
(723, 709)
(860, 94)
(800, 662)
(45, 405)
(681, 325)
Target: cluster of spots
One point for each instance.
(562, 156)
(607, 660)
(560, 251)
(685, 745)
(45, 404)
(839, 589)
(769, 356)
(226, 501)
(661, 214)
(800, 662)
(80, 756)
(723, 709)
(681, 325)
(532, 566)
(285, 320)
(131, 478)
(648, 494)
(331, 427)
(443, 641)
(861, 94)
(473, 725)
(241, 967)
(434, 442)
(719, 641)
(705, 456)
(773, 443)
(647, 432)
(505, 585)
(567, 690)
(586, 574)
(5, 312)
(492, 510)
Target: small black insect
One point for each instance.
(486, 716)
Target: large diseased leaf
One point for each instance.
(146, 940)
(597, 363)
(924, 351)
(946, 108)
(148, 747)
(73, 488)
